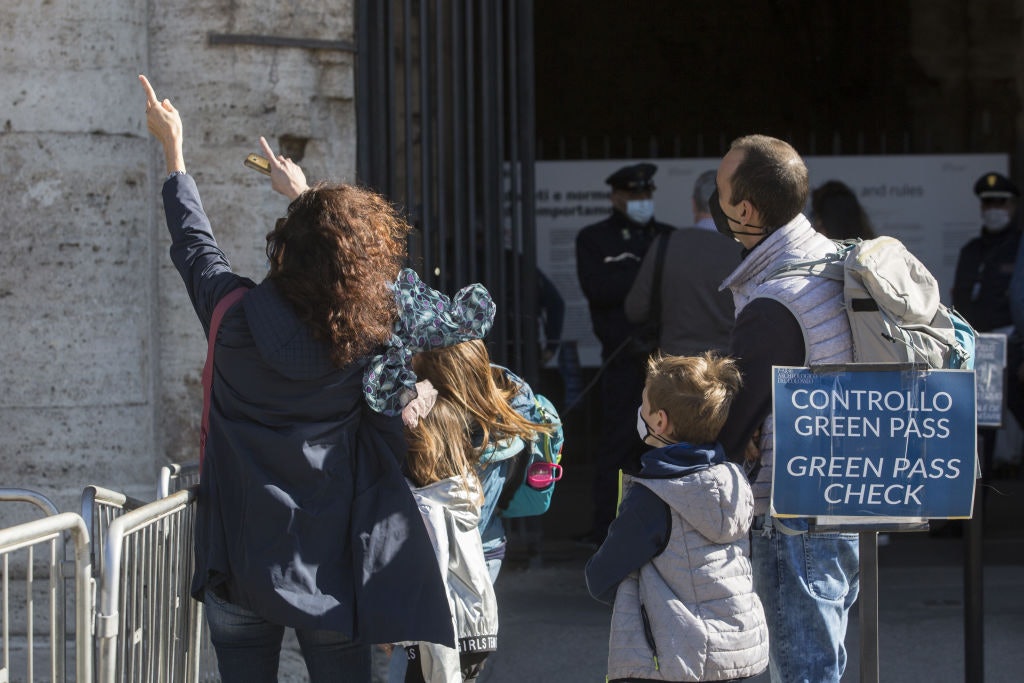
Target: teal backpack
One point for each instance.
(530, 481)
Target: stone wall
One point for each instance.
(100, 351)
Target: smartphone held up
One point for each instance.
(258, 163)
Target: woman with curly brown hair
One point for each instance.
(304, 518)
(333, 257)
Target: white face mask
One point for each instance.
(641, 425)
(644, 431)
(640, 210)
(995, 219)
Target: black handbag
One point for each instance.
(646, 339)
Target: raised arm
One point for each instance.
(164, 123)
(199, 260)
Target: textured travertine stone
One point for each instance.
(100, 351)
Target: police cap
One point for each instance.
(635, 178)
(995, 186)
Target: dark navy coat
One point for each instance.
(608, 257)
(304, 516)
(982, 281)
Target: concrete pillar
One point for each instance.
(75, 283)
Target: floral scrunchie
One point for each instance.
(427, 319)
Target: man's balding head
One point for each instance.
(771, 176)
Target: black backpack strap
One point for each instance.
(514, 477)
(659, 267)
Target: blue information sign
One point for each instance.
(989, 371)
(874, 443)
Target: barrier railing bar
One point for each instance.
(27, 496)
(58, 617)
(30, 664)
(177, 476)
(56, 590)
(51, 529)
(130, 537)
(100, 506)
(6, 626)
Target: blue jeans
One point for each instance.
(807, 584)
(249, 648)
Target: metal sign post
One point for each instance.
(974, 598)
(990, 374)
(868, 599)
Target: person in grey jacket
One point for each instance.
(694, 315)
(676, 559)
(304, 518)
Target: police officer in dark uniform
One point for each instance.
(985, 266)
(608, 257)
(982, 281)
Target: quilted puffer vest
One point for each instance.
(691, 614)
(816, 302)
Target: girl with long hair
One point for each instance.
(497, 406)
(447, 489)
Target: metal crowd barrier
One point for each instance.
(100, 507)
(145, 625)
(146, 620)
(174, 478)
(49, 533)
(177, 477)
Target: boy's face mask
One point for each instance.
(644, 430)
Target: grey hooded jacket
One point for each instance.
(690, 613)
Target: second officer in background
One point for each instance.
(608, 257)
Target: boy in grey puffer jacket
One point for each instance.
(676, 559)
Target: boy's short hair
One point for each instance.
(694, 391)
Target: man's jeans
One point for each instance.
(807, 584)
(249, 648)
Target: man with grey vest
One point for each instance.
(807, 582)
(694, 315)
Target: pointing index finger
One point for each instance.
(150, 95)
(267, 150)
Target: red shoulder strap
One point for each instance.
(226, 302)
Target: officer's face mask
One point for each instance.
(722, 220)
(644, 430)
(640, 210)
(995, 219)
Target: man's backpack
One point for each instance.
(522, 494)
(893, 305)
